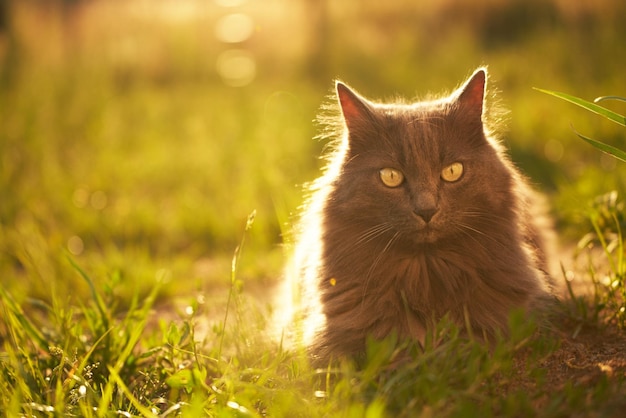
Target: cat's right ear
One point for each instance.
(471, 97)
(353, 107)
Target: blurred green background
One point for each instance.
(137, 136)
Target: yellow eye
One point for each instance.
(391, 177)
(453, 172)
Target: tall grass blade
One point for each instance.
(603, 98)
(94, 293)
(590, 106)
(144, 411)
(16, 311)
(606, 148)
(233, 279)
(133, 339)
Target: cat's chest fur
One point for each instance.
(403, 293)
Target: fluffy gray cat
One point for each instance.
(419, 214)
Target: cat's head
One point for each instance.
(424, 172)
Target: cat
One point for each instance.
(419, 214)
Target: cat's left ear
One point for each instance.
(354, 108)
(471, 98)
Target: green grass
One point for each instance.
(88, 361)
(599, 110)
(607, 219)
(128, 172)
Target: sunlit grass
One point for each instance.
(84, 359)
(607, 220)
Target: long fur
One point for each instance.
(366, 265)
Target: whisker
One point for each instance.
(487, 216)
(472, 237)
(372, 233)
(466, 228)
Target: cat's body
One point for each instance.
(418, 215)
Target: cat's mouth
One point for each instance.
(425, 233)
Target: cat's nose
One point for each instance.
(426, 213)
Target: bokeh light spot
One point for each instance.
(608, 162)
(80, 198)
(236, 67)
(75, 245)
(234, 28)
(553, 150)
(98, 200)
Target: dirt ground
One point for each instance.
(590, 361)
(590, 354)
(587, 357)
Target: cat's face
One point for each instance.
(423, 173)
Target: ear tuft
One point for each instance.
(472, 94)
(353, 107)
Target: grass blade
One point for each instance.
(94, 293)
(233, 278)
(16, 311)
(603, 98)
(133, 338)
(615, 152)
(590, 106)
(116, 379)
